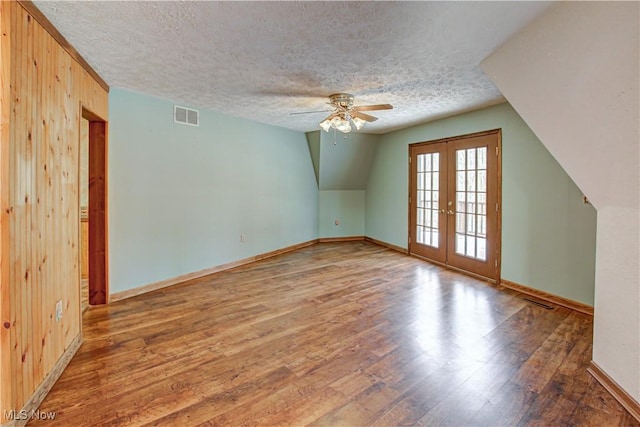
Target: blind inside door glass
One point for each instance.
(471, 203)
(428, 193)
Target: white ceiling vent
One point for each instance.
(186, 116)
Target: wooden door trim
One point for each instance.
(98, 209)
(498, 272)
(457, 137)
(498, 254)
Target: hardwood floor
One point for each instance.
(334, 334)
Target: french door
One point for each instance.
(454, 208)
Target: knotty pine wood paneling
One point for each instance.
(43, 90)
(5, 108)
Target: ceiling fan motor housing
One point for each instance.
(343, 100)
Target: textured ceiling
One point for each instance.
(264, 60)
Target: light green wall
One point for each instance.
(344, 162)
(181, 196)
(548, 234)
(348, 207)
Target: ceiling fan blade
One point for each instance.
(374, 107)
(309, 112)
(364, 116)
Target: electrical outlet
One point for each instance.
(337, 222)
(242, 238)
(58, 310)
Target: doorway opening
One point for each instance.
(455, 202)
(84, 214)
(94, 248)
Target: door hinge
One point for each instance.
(496, 207)
(409, 159)
(496, 264)
(496, 151)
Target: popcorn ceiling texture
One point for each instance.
(264, 60)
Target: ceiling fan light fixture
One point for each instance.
(325, 124)
(341, 121)
(358, 122)
(344, 127)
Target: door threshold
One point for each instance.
(456, 269)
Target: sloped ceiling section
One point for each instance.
(577, 89)
(313, 140)
(345, 160)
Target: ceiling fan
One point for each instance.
(344, 113)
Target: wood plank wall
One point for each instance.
(5, 305)
(43, 90)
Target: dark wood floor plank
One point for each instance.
(506, 407)
(332, 334)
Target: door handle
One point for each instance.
(451, 212)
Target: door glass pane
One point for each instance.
(482, 180)
(460, 244)
(482, 203)
(471, 224)
(434, 237)
(471, 246)
(460, 201)
(460, 222)
(482, 158)
(481, 248)
(471, 181)
(461, 182)
(471, 159)
(427, 197)
(460, 163)
(482, 225)
(471, 203)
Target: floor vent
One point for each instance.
(186, 116)
(541, 304)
